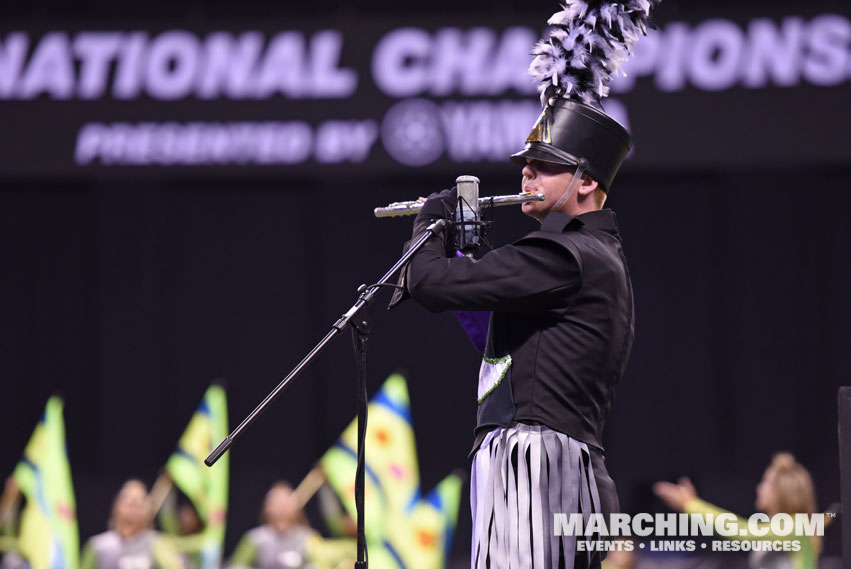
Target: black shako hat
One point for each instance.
(573, 133)
(582, 51)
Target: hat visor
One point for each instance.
(543, 152)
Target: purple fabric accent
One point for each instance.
(474, 322)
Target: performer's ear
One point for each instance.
(588, 185)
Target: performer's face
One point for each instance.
(548, 179)
(281, 509)
(188, 520)
(552, 180)
(131, 512)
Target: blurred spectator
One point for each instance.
(188, 520)
(285, 541)
(786, 488)
(188, 535)
(130, 542)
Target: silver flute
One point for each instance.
(397, 209)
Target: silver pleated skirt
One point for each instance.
(521, 476)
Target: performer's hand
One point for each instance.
(676, 496)
(439, 204)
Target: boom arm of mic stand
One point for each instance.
(365, 298)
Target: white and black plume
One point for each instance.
(586, 46)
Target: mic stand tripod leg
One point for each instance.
(360, 336)
(357, 318)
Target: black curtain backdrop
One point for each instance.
(128, 292)
(129, 297)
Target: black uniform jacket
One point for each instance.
(562, 310)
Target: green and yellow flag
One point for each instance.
(392, 473)
(207, 488)
(48, 535)
(423, 538)
(402, 530)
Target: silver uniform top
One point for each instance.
(281, 550)
(13, 560)
(113, 552)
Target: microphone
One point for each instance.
(467, 219)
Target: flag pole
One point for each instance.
(310, 485)
(159, 492)
(9, 500)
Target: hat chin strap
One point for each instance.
(571, 187)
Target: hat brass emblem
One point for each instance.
(541, 131)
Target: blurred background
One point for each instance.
(186, 194)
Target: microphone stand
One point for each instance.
(357, 317)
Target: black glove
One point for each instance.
(439, 205)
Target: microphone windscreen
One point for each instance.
(468, 192)
(467, 213)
